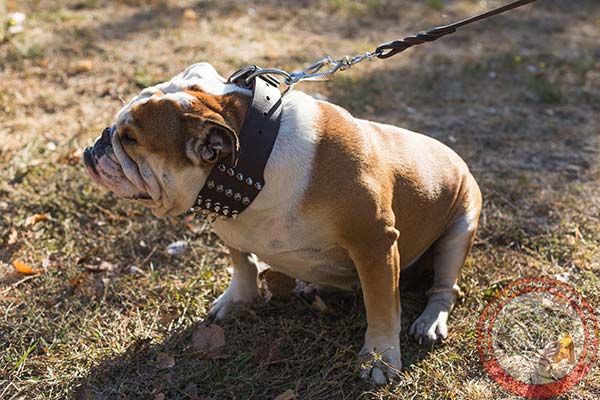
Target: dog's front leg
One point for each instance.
(243, 287)
(378, 266)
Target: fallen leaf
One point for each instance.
(82, 66)
(35, 218)
(72, 157)
(287, 395)
(78, 279)
(177, 248)
(320, 305)
(566, 351)
(165, 360)
(131, 213)
(26, 269)
(190, 14)
(277, 283)
(208, 339)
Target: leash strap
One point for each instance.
(389, 49)
(327, 66)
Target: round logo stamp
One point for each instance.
(538, 337)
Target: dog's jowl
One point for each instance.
(346, 202)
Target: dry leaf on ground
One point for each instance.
(208, 339)
(26, 269)
(320, 305)
(35, 218)
(165, 360)
(78, 279)
(82, 66)
(287, 395)
(190, 14)
(566, 350)
(71, 157)
(277, 283)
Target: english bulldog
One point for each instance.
(347, 203)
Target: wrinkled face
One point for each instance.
(167, 139)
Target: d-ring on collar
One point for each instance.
(231, 188)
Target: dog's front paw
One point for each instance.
(379, 367)
(430, 327)
(235, 294)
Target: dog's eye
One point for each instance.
(127, 138)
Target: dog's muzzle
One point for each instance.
(92, 154)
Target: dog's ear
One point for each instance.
(210, 141)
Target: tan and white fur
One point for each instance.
(347, 203)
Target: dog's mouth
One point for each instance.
(139, 197)
(104, 169)
(89, 161)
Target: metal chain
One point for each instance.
(315, 72)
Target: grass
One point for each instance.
(92, 327)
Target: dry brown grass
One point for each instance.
(518, 97)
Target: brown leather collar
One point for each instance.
(230, 188)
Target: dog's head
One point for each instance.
(165, 142)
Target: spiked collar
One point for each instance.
(232, 185)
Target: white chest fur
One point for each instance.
(272, 227)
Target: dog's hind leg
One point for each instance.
(449, 254)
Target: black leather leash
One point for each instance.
(326, 67)
(389, 49)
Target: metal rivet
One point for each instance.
(217, 207)
(229, 193)
(207, 204)
(249, 181)
(237, 196)
(222, 167)
(235, 214)
(230, 172)
(225, 210)
(246, 200)
(239, 176)
(220, 188)
(211, 184)
(258, 185)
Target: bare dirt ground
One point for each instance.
(517, 96)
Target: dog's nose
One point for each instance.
(105, 138)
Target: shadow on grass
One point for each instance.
(270, 348)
